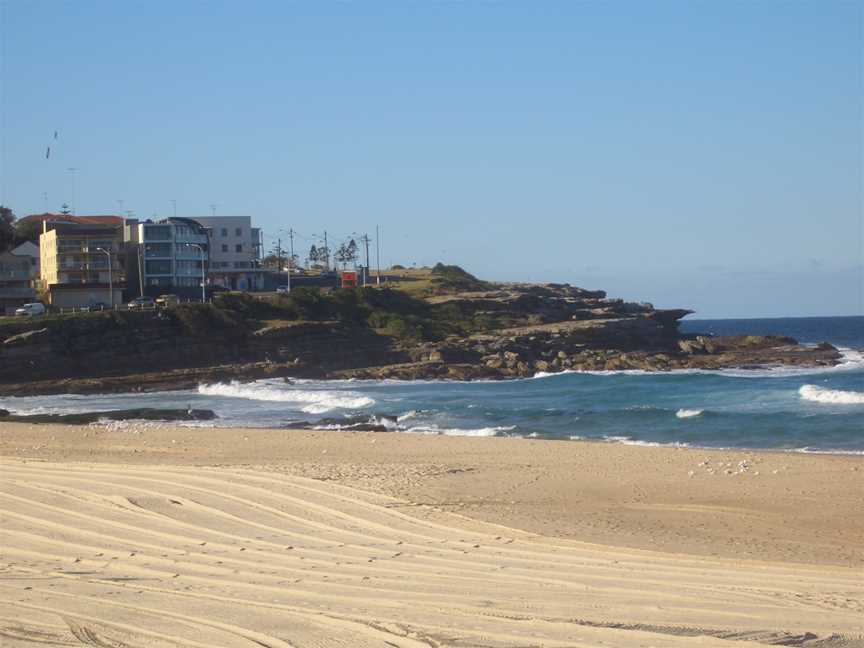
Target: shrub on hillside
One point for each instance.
(454, 277)
(208, 320)
(246, 306)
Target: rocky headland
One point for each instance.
(462, 330)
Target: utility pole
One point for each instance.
(278, 257)
(326, 253)
(365, 241)
(378, 254)
(291, 238)
(213, 210)
(174, 205)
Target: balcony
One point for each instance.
(15, 275)
(13, 292)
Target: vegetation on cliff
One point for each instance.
(443, 323)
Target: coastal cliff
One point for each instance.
(456, 327)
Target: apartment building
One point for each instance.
(235, 252)
(80, 263)
(19, 269)
(167, 256)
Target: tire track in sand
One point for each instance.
(369, 575)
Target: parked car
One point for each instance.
(283, 290)
(142, 303)
(31, 310)
(167, 300)
(99, 306)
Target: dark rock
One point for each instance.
(375, 423)
(146, 413)
(28, 337)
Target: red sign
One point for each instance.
(349, 278)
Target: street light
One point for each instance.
(110, 279)
(201, 250)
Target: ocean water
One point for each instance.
(815, 410)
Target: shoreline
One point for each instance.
(208, 424)
(790, 507)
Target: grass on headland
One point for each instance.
(395, 309)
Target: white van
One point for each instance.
(30, 310)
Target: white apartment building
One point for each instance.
(235, 252)
(166, 256)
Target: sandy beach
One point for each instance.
(146, 535)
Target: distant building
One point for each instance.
(19, 269)
(166, 256)
(235, 252)
(108, 219)
(74, 263)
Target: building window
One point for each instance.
(224, 231)
(157, 250)
(238, 232)
(224, 247)
(187, 268)
(157, 267)
(238, 248)
(157, 233)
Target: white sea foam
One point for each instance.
(830, 396)
(656, 444)
(549, 374)
(351, 423)
(312, 401)
(472, 432)
(850, 360)
(809, 450)
(688, 413)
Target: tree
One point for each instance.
(270, 261)
(346, 253)
(28, 230)
(65, 209)
(7, 228)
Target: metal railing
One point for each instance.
(69, 310)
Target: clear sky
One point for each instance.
(694, 154)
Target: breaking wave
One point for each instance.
(688, 413)
(316, 401)
(830, 396)
(472, 432)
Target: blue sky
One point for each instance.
(695, 154)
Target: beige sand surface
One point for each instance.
(146, 536)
